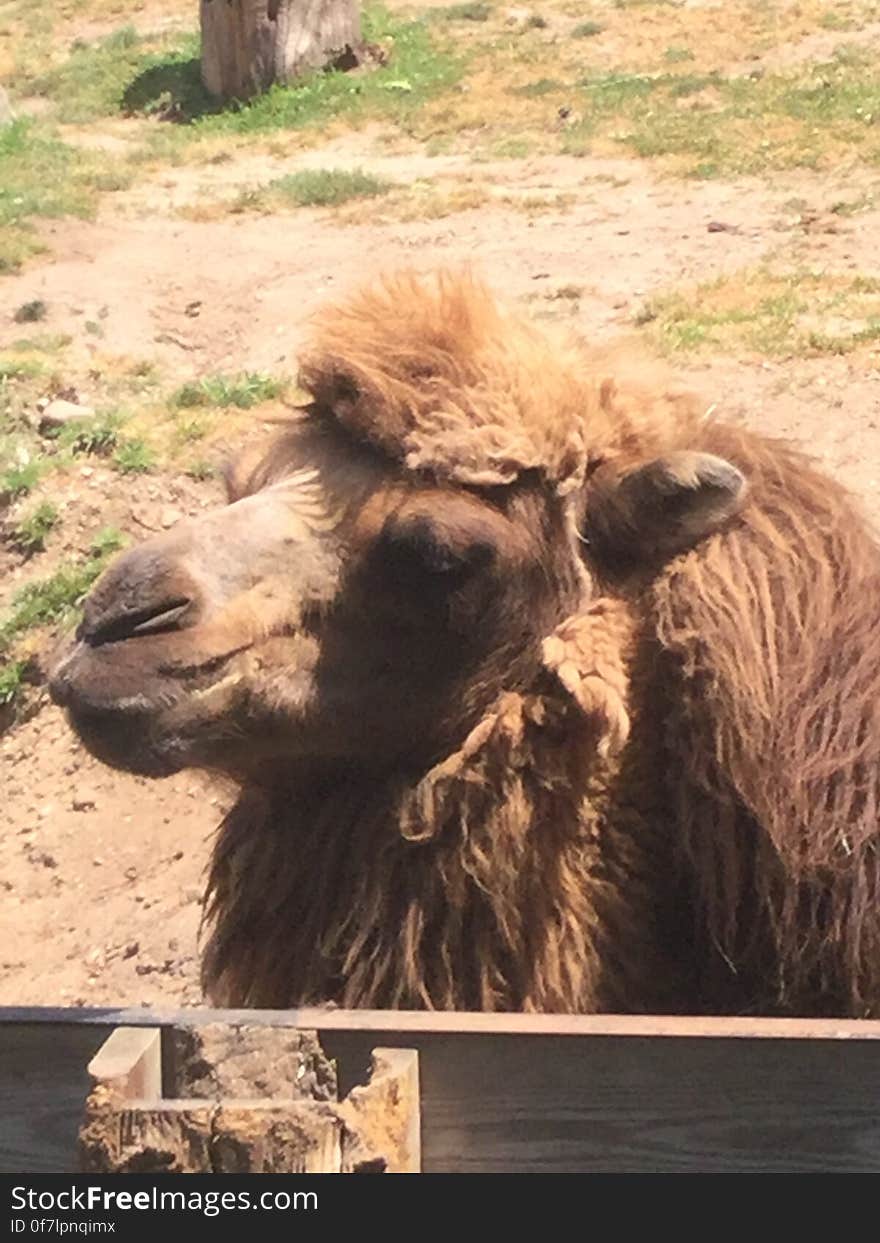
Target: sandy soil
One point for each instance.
(100, 874)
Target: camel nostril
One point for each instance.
(135, 623)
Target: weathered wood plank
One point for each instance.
(449, 1022)
(131, 1061)
(43, 1087)
(639, 1104)
(513, 1100)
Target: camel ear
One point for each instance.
(661, 508)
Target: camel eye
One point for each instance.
(413, 548)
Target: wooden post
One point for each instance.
(245, 1100)
(248, 45)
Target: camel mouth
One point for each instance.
(135, 716)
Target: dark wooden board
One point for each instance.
(530, 1094)
(43, 1088)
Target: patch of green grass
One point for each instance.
(476, 11)
(11, 681)
(836, 21)
(97, 436)
(17, 245)
(95, 78)
(241, 391)
(611, 91)
(42, 343)
(106, 542)
(190, 431)
(768, 313)
(19, 479)
(134, 457)
(534, 90)
(30, 532)
(19, 369)
(512, 149)
(587, 30)
(418, 68)
(676, 54)
(50, 601)
(852, 207)
(705, 124)
(41, 176)
(326, 187)
(201, 470)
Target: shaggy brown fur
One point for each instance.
(771, 685)
(443, 380)
(495, 881)
(574, 705)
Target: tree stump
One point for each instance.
(249, 45)
(244, 1100)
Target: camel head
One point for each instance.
(394, 560)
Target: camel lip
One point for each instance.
(96, 680)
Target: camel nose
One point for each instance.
(144, 592)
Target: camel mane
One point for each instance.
(771, 640)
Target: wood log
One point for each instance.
(249, 45)
(246, 1100)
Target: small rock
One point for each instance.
(83, 802)
(519, 18)
(59, 413)
(131, 874)
(169, 517)
(31, 313)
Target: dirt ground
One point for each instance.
(100, 873)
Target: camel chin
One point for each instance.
(142, 721)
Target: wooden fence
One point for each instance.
(525, 1093)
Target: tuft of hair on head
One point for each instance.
(436, 374)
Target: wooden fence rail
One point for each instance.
(525, 1093)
